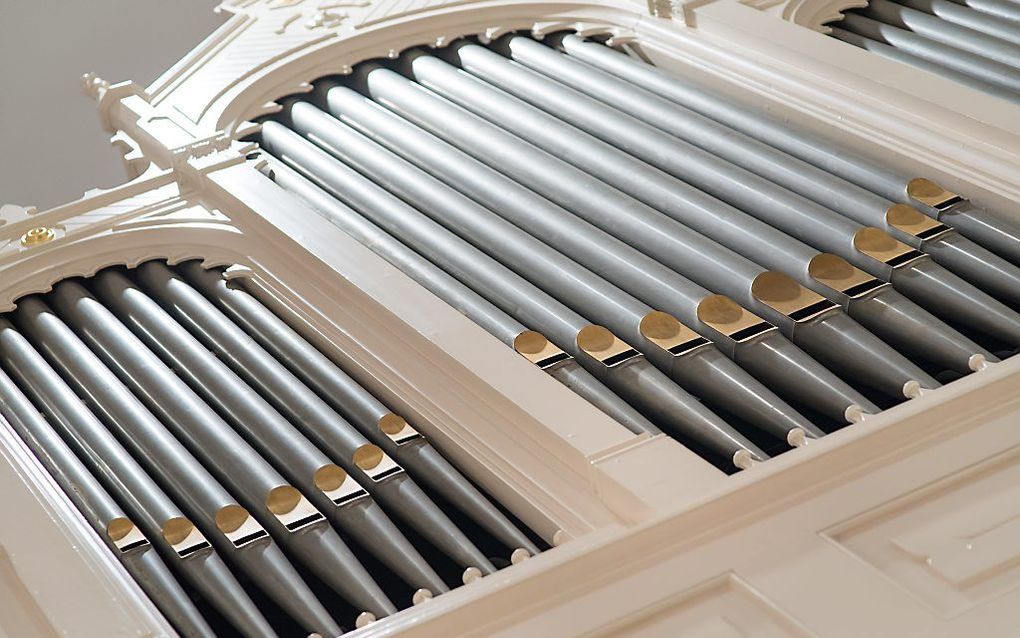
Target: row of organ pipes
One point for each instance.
(973, 42)
(689, 265)
(226, 459)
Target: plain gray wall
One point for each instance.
(52, 148)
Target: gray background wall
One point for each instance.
(52, 148)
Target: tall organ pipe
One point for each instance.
(608, 358)
(769, 355)
(282, 509)
(690, 360)
(958, 60)
(230, 528)
(900, 55)
(966, 17)
(469, 303)
(996, 232)
(326, 485)
(710, 264)
(784, 216)
(960, 255)
(954, 35)
(132, 548)
(377, 472)
(1005, 9)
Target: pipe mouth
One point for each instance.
(283, 499)
(797, 437)
(397, 428)
(125, 535)
(230, 518)
(179, 528)
(908, 220)
(118, 528)
(931, 194)
(421, 596)
(836, 273)
(785, 295)
(601, 344)
(666, 331)
(368, 456)
(329, 477)
(727, 316)
(536, 348)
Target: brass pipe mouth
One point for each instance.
(907, 219)
(282, 499)
(601, 344)
(840, 275)
(534, 347)
(929, 193)
(179, 528)
(118, 528)
(666, 331)
(329, 477)
(881, 246)
(397, 428)
(368, 456)
(721, 313)
(230, 518)
(782, 293)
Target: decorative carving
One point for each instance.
(813, 14)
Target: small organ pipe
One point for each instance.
(129, 544)
(185, 548)
(328, 486)
(378, 473)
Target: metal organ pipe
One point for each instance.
(997, 232)
(611, 360)
(767, 355)
(967, 259)
(689, 359)
(230, 528)
(660, 237)
(499, 324)
(779, 210)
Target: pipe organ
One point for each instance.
(496, 319)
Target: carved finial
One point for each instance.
(93, 85)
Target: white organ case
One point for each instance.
(906, 524)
